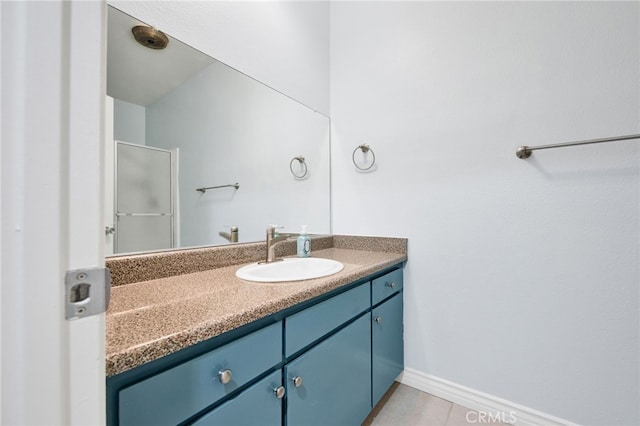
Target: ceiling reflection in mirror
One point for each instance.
(184, 122)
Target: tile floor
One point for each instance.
(406, 406)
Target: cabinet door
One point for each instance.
(334, 385)
(256, 406)
(387, 345)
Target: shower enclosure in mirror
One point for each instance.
(223, 128)
(145, 183)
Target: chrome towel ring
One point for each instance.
(303, 167)
(365, 149)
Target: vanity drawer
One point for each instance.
(257, 406)
(386, 285)
(305, 327)
(180, 392)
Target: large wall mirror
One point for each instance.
(183, 122)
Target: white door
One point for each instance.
(52, 94)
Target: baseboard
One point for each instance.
(493, 407)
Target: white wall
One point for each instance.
(282, 44)
(129, 122)
(522, 279)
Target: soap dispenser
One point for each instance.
(304, 243)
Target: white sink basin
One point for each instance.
(294, 269)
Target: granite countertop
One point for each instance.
(150, 319)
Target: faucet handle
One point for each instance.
(273, 229)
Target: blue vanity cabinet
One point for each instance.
(180, 392)
(331, 383)
(259, 405)
(326, 361)
(387, 353)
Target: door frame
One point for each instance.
(51, 212)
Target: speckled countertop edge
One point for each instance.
(151, 319)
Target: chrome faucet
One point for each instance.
(273, 238)
(232, 236)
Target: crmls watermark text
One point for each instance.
(485, 417)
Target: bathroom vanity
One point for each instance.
(320, 351)
(188, 342)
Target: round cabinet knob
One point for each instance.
(391, 284)
(378, 320)
(279, 392)
(297, 381)
(224, 376)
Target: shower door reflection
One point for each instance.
(145, 199)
